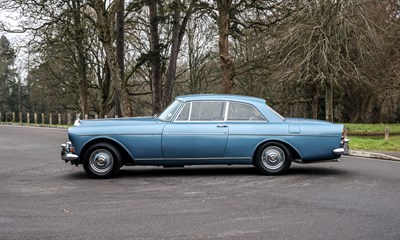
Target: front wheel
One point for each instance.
(102, 160)
(273, 158)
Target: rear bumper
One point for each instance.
(338, 151)
(344, 149)
(67, 153)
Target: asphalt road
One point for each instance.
(43, 198)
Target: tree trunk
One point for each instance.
(329, 101)
(105, 92)
(106, 24)
(155, 57)
(224, 7)
(315, 104)
(178, 31)
(81, 58)
(120, 40)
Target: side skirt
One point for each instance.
(315, 161)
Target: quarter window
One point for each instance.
(243, 112)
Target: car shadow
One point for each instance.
(316, 170)
(212, 171)
(205, 171)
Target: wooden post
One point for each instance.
(86, 116)
(387, 130)
(28, 117)
(96, 116)
(1, 117)
(105, 116)
(35, 118)
(20, 117)
(59, 118)
(116, 116)
(50, 118)
(42, 118)
(13, 116)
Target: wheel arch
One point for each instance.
(293, 151)
(126, 156)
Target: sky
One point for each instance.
(17, 40)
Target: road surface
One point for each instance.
(41, 197)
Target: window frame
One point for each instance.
(247, 121)
(227, 103)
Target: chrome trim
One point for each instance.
(273, 157)
(70, 157)
(300, 161)
(66, 154)
(338, 151)
(77, 122)
(195, 133)
(186, 159)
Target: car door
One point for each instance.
(198, 132)
(247, 127)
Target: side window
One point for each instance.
(243, 112)
(207, 111)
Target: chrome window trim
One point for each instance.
(227, 103)
(226, 110)
(200, 121)
(180, 111)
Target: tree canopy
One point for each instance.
(329, 59)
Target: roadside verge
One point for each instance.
(384, 156)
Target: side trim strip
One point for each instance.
(191, 159)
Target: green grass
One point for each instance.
(372, 137)
(368, 129)
(374, 143)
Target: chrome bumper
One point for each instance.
(67, 153)
(338, 151)
(344, 149)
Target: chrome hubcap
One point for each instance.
(101, 161)
(273, 157)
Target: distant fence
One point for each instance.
(44, 118)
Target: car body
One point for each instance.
(201, 130)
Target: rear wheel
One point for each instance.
(273, 158)
(102, 160)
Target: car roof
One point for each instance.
(221, 97)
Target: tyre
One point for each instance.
(102, 160)
(273, 158)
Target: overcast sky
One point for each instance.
(17, 40)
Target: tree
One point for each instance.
(9, 94)
(178, 32)
(227, 64)
(322, 48)
(105, 22)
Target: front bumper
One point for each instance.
(67, 153)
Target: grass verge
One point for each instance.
(374, 143)
(354, 129)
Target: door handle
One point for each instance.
(222, 126)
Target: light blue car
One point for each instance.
(201, 130)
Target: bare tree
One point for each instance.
(321, 48)
(178, 31)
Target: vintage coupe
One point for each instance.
(203, 129)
